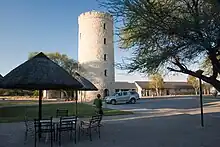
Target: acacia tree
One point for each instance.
(156, 83)
(194, 82)
(69, 64)
(169, 34)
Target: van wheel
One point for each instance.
(133, 100)
(113, 102)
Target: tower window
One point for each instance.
(105, 57)
(79, 35)
(104, 26)
(104, 40)
(105, 73)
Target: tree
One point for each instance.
(156, 83)
(206, 88)
(194, 82)
(169, 34)
(70, 65)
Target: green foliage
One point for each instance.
(16, 114)
(70, 65)
(206, 86)
(172, 34)
(36, 93)
(206, 65)
(156, 82)
(194, 82)
(15, 92)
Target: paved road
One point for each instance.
(182, 104)
(177, 103)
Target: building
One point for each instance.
(96, 51)
(169, 88)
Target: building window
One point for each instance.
(105, 73)
(79, 35)
(105, 57)
(104, 40)
(104, 26)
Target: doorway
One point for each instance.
(106, 93)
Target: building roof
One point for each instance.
(171, 85)
(168, 85)
(124, 85)
(143, 84)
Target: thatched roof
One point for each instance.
(39, 73)
(87, 85)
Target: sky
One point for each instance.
(49, 26)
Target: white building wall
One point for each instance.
(93, 28)
(139, 89)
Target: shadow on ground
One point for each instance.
(160, 131)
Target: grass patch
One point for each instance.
(20, 102)
(16, 114)
(9, 103)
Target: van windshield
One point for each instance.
(114, 94)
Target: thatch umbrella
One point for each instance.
(1, 77)
(87, 85)
(40, 73)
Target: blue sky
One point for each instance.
(48, 26)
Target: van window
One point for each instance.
(125, 93)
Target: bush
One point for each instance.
(36, 93)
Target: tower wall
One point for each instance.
(96, 50)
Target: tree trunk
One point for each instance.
(196, 91)
(157, 91)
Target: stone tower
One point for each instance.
(96, 51)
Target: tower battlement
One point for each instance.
(95, 14)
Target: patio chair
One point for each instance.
(61, 112)
(67, 124)
(29, 128)
(87, 126)
(44, 126)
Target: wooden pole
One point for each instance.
(40, 104)
(76, 103)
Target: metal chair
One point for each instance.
(29, 127)
(61, 112)
(67, 124)
(44, 126)
(93, 123)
